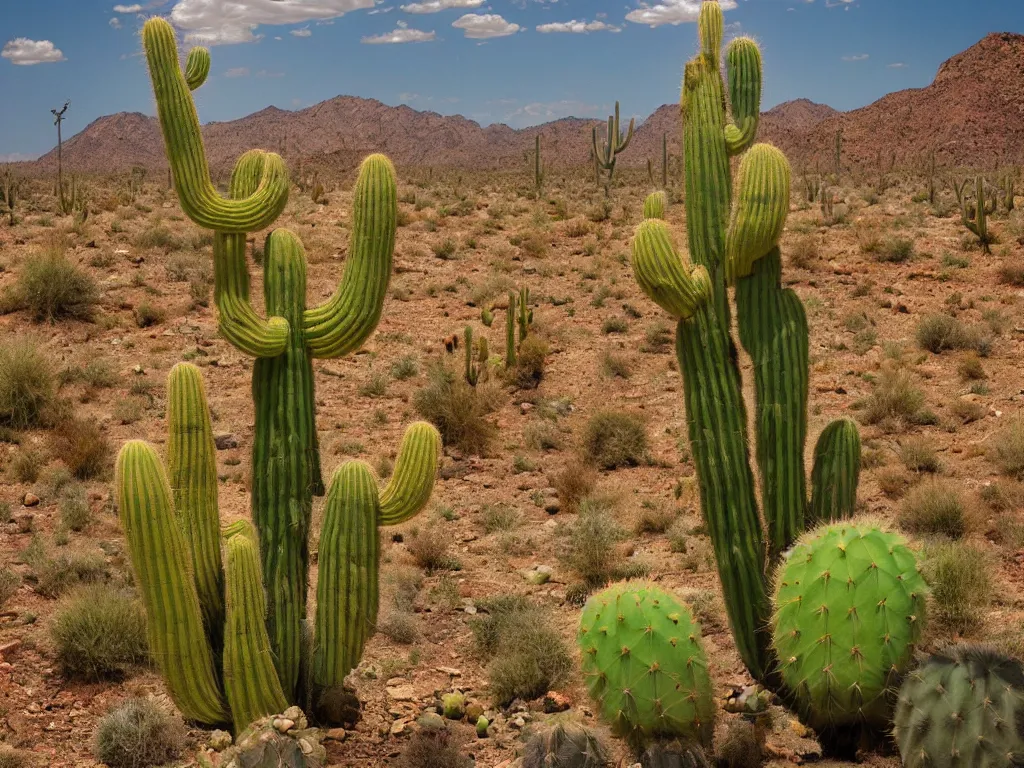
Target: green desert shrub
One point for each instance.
(934, 507)
(99, 633)
(896, 401)
(458, 410)
(528, 657)
(615, 439)
(52, 288)
(430, 547)
(918, 455)
(75, 514)
(1007, 447)
(937, 333)
(26, 382)
(51, 574)
(590, 542)
(138, 734)
(961, 587)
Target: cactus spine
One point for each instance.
(736, 242)
(285, 457)
(975, 217)
(615, 142)
(963, 707)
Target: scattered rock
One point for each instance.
(335, 734)
(540, 574)
(556, 702)
(430, 721)
(283, 724)
(474, 712)
(220, 740)
(399, 727)
(31, 500)
(225, 441)
(401, 693)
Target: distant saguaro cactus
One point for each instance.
(606, 153)
(975, 217)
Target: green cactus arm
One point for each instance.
(197, 68)
(412, 480)
(510, 330)
(664, 276)
(622, 143)
(773, 329)
(836, 473)
(162, 567)
(185, 152)
(250, 680)
(345, 321)
(760, 209)
(192, 468)
(347, 584)
(743, 66)
(654, 205)
(238, 321)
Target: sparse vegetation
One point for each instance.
(590, 545)
(458, 410)
(52, 288)
(26, 382)
(934, 507)
(137, 734)
(99, 633)
(961, 588)
(1008, 449)
(615, 439)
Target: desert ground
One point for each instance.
(938, 401)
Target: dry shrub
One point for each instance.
(615, 439)
(84, 448)
(574, 483)
(433, 749)
(590, 542)
(53, 288)
(961, 588)
(458, 410)
(1007, 447)
(99, 633)
(138, 734)
(26, 383)
(934, 507)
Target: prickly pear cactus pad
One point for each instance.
(644, 664)
(963, 707)
(849, 609)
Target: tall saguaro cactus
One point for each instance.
(606, 153)
(733, 241)
(285, 457)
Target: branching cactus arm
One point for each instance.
(345, 321)
(184, 144)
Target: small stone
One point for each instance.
(399, 727)
(519, 723)
(220, 740)
(283, 724)
(470, 609)
(402, 693)
(336, 734)
(305, 746)
(430, 721)
(537, 576)
(31, 500)
(295, 713)
(450, 671)
(225, 441)
(454, 705)
(556, 702)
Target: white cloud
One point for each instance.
(896, 65)
(578, 27)
(479, 26)
(671, 12)
(135, 8)
(237, 72)
(220, 22)
(857, 57)
(26, 52)
(115, 22)
(402, 34)
(433, 6)
(304, 32)
(538, 112)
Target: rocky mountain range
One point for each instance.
(971, 114)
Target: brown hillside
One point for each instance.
(972, 114)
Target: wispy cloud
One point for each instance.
(115, 22)
(134, 8)
(237, 72)
(25, 52)
(480, 26)
(304, 32)
(435, 6)
(671, 12)
(403, 33)
(225, 23)
(578, 27)
(896, 65)
(537, 112)
(857, 57)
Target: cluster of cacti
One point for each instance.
(734, 242)
(606, 153)
(963, 707)
(1008, 188)
(9, 191)
(477, 355)
(828, 204)
(518, 317)
(285, 458)
(565, 745)
(71, 198)
(849, 610)
(538, 168)
(134, 183)
(812, 186)
(645, 666)
(974, 215)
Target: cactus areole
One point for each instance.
(198, 615)
(733, 232)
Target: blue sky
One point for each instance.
(519, 62)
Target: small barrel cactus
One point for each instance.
(849, 609)
(645, 666)
(566, 745)
(964, 707)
